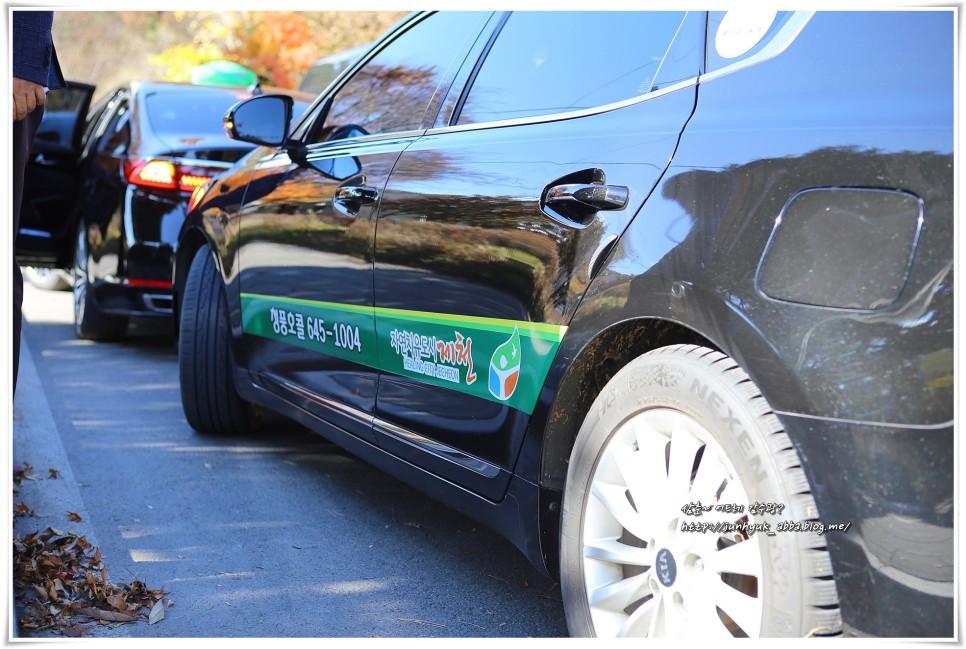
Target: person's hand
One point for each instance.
(27, 95)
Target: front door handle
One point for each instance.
(349, 199)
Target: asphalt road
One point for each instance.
(275, 535)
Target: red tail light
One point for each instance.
(165, 174)
(147, 283)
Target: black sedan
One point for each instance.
(666, 298)
(106, 198)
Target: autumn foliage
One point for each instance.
(278, 45)
(166, 45)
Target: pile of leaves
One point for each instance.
(59, 577)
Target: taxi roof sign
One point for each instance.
(223, 73)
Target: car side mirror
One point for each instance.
(262, 120)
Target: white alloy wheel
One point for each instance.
(644, 576)
(678, 473)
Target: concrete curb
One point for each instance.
(37, 441)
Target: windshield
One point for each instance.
(190, 114)
(196, 114)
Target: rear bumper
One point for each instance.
(132, 273)
(894, 566)
(124, 300)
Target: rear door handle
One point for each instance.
(587, 197)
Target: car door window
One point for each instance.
(60, 117)
(117, 136)
(90, 122)
(103, 133)
(393, 91)
(555, 62)
(97, 120)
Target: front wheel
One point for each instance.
(675, 481)
(208, 395)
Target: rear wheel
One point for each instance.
(90, 322)
(208, 395)
(680, 426)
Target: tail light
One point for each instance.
(167, 174)
(146, 283)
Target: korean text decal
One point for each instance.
(449, 351)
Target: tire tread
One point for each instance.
(208, 394)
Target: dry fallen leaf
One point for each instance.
(21, 473)
(54, 474)
(110, 616)
(59, 576)
(74, 517)
(117, 603)
(75, 630)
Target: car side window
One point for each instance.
(95, 120)
(394, 89)
(556, 62)
(117, 135)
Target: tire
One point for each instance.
(48, 279)
(208, 394)
(90, 323)
(679, 425)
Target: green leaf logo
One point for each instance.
(505, 367)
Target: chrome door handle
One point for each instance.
(591, 196)
(361, 195)
(349, 199)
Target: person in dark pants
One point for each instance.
(35, 71)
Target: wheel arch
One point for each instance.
(191, 240)
(593, 367)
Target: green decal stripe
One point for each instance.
(504, 361)
(535, 329)
(344, 331)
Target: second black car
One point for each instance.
(105, 198)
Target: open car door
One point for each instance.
(47, 223)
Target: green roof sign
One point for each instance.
(223, 73)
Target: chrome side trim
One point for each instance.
(365, 145)
(341, 408)
(557, 117)
(442, 451)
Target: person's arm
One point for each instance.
(32, 50)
